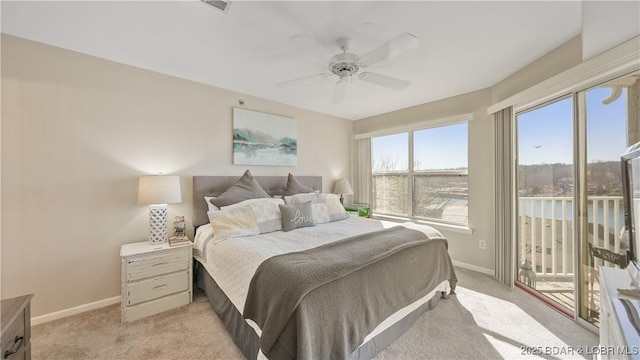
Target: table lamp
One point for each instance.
(343, 188)
(157, 191)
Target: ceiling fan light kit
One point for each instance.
(344, 64)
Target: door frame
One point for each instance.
(579, 124)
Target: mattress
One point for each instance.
(232, 262)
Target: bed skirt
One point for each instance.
(248, 341)
(242, 334)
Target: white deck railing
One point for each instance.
(555, 238)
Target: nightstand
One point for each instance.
(155, 278)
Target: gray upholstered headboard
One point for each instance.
(216, 185)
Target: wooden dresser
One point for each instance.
(16, 328)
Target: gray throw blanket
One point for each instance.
(322, 302)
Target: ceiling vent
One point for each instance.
(218, 4)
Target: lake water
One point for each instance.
(265, 156)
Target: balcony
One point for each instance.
(546, 240)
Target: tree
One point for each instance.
(432, 194)
(385, 164)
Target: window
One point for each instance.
(422, 174)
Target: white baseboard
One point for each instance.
(479, 269)
(74, 310)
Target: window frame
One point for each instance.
(411, 172)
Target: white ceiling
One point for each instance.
(464, 46)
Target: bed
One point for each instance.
(231, 271)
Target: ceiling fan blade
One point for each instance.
(339, 92)
(389, 49)
(302, 79)
(384, 80)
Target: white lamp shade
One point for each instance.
(342, 187)
(159, 189)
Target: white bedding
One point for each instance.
(233, 261)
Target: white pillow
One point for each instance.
(334, 207)
(235, 222)
(266, 211)
(210, 205)
(248, 217)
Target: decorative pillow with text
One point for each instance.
(318, 207)
(296, 216)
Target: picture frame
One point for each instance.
(264, 139)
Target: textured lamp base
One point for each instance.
(157, 224)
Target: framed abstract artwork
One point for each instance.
(264, 139)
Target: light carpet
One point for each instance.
(485, 320)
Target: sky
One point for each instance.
(545, 136)
(274, 125)
(444, 147)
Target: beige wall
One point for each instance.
(77, 131)
(562, 58)
(465, 248)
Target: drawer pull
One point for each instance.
(159, 264)
(17, 343)
(159, 287)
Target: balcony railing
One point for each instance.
(433, 195)
(546, 231)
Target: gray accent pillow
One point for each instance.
(295, 187)
(245, 188)
(296, 216)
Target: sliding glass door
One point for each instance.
(609, 121)
(545, 201)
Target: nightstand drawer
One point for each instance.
(157, 264)
(135, 312)
(158, 287)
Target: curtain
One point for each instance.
(363, 171)
(504, 200)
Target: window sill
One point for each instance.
(439, 226)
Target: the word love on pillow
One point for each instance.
(299, 219)
(296, 216)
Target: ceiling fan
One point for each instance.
(347, 67)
